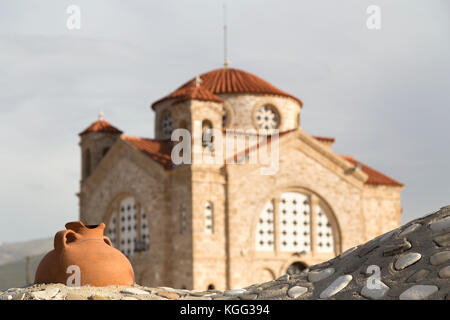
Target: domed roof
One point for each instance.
(229, 80)
(194, 93)
(101, 126)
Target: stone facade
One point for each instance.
(202, 219)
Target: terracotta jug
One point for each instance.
(84, 252)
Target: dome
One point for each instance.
(229, 80)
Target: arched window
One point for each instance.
(265, 228)
(211, 287)
(209, 218)
(207, 134)
(128, 227)
(167, 124)
(87, 163)
(295, 228)
(105, 151)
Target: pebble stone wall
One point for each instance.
(413, 263)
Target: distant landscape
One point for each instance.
(13, 261)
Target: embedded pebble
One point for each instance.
(444, 273)
(388, 235)
(168, 295)
(375, 293)
(347, 252)
(297, 291)
(441, 225)
(410, 229)
(443, 240)
(234, 292)
(440, 257)
(336, 286)
(418, 292)
(195, 298)
(397, 248)
(284, 277)
(134, 291)
(315, 276)
(46, 294)
(248, 296)
(406, 260)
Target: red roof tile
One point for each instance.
(158, 150)
(194, 92)
(101, 126)
(324, 139)
(375, 177)
(229, 80)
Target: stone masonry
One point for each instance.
(170, 199)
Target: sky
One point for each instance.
(383, 94)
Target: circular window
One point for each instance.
(167, 124)
(267, 118)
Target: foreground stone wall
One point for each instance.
(413, 263)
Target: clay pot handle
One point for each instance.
(60, 241)
(107, 241)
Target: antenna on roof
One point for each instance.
(225, 47)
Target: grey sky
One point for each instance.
(384, 95)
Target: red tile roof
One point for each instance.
(101, 126)
(375, 177)
(324, 139)
(158, 150)
(229, 80)
(194, 92)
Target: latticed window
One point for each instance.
(209, 218)
(265, 228)
(128, 228)
(267, 118)
(294, 220)
(167, 124)
(324, 232)
(295, 225)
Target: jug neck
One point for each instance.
(86, 231)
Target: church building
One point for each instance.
(226, 225)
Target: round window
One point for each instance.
(267, 118)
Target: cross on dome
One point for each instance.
(100, 115)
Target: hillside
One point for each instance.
(15, 251)
(13, 274)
